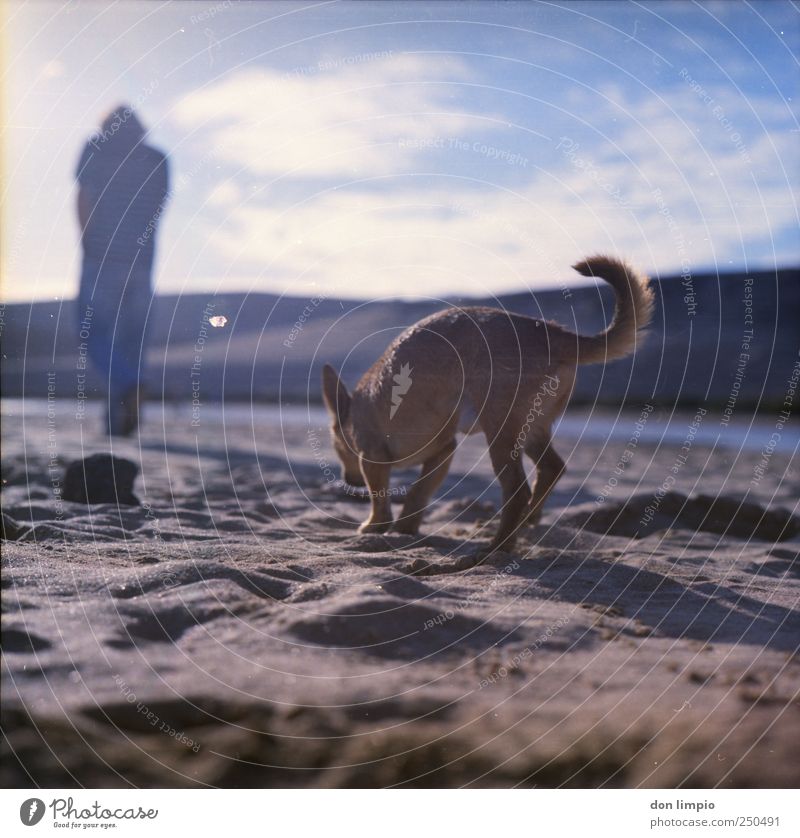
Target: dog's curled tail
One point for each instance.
(633, 312)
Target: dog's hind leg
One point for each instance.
(376, 476)
(549, 468)
(516, 492)
(434, 470)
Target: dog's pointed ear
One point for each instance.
(335, 394)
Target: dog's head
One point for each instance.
(337, 400)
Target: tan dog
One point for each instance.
(468, 370)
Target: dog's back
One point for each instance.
(466, 367)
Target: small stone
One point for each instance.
(100, 478)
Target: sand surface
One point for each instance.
(234, 630)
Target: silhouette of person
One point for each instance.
(123, 186)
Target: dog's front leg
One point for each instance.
(434, 471)
(376, 476)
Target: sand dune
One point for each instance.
(265, 353)
(234, 630)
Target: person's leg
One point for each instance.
(130, 349)
(97, 311)
(118, 300)
(96, 329)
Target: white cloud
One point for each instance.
(345, 123)
(415, 242)
(225, 195)
(722, 199)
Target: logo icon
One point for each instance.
(31, 811)
(402, 384)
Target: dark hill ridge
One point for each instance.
(274, 347)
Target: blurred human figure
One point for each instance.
(123, 186)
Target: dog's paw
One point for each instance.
(405, 528)
(377, 527)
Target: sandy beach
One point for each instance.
(234, 629)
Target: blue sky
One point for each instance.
(412, 149)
